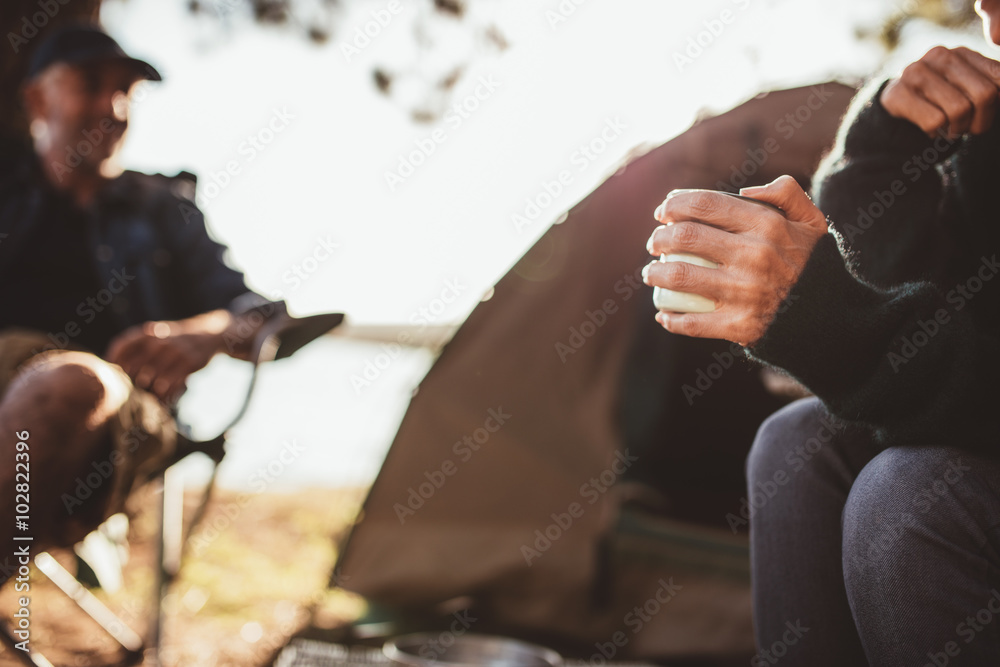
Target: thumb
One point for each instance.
(785, 193)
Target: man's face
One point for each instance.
(80, 111)
(990, 11)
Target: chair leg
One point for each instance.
(172, 534)
(97, 610)
(169, 548)
(160, 584)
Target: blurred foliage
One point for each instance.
(954, 14)
(313, 20)
(316, 21)
(24, 22)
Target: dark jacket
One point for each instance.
(143, 227)
(902, 336)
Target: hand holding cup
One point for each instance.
(759, 253)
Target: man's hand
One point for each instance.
(947, 90)
(159, 356)
(760, 253)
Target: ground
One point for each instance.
(257, 571)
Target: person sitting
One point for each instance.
(114, 294)
(878, 542)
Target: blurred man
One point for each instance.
(113, 295)
(878, 541)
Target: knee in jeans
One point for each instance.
(901, 498)
(778, 435)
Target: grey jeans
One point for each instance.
(867, 557)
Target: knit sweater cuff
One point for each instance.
(825, 329)
(875, 131)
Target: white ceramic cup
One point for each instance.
(683, 302)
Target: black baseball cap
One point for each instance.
(78, 44)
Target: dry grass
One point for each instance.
(254, 576)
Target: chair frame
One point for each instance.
(279, 337)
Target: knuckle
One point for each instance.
(773, 229)
(937, 54)
(684, 236)
(973, 58)
(657, 240)
(672, 207)
(679, 275)
(915, 73)
(703, 204)
(736, 296)
(983, 97)
(785, 181)
(932, 121)
(689, 325)
(774, 274)
(960, 107)
(759, 256)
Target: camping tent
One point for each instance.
(567, 462)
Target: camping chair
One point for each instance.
(280, 337)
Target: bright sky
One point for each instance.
(320, 179)
(307, 141)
